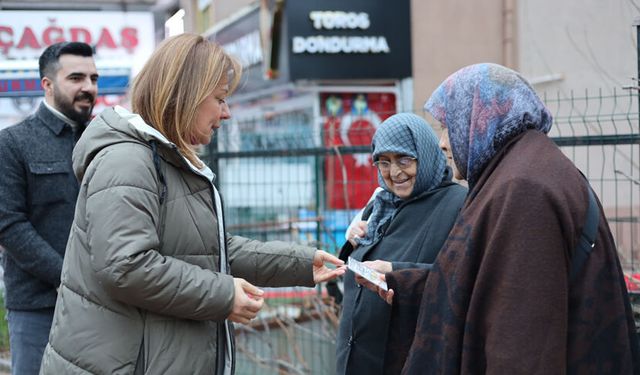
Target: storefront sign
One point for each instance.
(25, 34)
(338, 44)
(348, 39)
(123, 42)
(246, 49)
(247, 38)
(335, 44)
(126, 38)
(26, 38)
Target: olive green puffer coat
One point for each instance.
(142, 290)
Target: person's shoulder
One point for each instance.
(453, 190)
(533, 162)
(536, 188)
(456, 188)
(20, 127)
(122, 164)
(455, 196)
(548, 172)
(18, 133)
(448, 194)
(126, 156)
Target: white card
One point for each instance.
(366, 272)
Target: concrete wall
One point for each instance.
(587, 44)
(448, 35)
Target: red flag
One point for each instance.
(351, 120)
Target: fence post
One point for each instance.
(320, 161)
(636, 24)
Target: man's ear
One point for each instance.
(47, 85)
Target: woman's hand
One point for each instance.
(247, 301)
(386, 295)
(321, 272)
(359, 230)
(382, 267)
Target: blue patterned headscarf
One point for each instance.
(483, 106)
(406, 134)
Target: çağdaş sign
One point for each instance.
(123, 42)
(348, 39)
(115, 35)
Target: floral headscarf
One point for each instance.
(407, 134)
(483, 106)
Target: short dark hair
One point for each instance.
(48, 62)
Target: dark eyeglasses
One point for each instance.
(402, 163)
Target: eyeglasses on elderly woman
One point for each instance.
(402, 163)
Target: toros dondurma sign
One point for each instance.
(348, 39)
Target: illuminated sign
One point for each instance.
(348, 39)
(337, 20)
(123, 42)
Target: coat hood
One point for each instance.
(112, 126)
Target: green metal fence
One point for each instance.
(600, 133)
(290, 177)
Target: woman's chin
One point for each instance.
(402, 193)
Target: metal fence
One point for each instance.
(298, 177)
(600, 132)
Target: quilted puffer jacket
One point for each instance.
(142, 290)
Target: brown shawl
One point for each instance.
(499, 299)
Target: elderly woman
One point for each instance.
(506, 294)
(151, 282)
(409, 222)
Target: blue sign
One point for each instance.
(27, 83)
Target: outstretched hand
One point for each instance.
(321, 272)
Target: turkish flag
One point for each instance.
(351, 120)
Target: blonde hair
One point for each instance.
(179, 75)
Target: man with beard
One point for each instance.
(38, 192)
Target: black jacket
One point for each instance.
(38, 192)
(413, 238)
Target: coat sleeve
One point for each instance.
(122, 209)
(272, 264)
(17, 235)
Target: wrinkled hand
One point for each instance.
(321, 272)
(357, 231)
(386, 295)
(247, 301)
(382, 267)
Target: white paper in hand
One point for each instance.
(366, 272)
